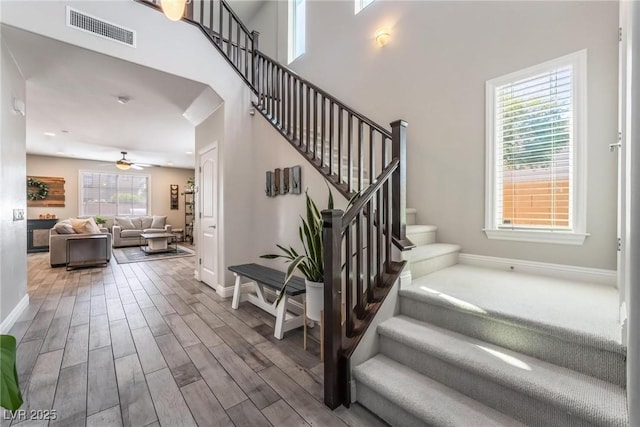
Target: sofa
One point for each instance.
(126, 230)
(63, 230)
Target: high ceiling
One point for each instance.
(73, 93)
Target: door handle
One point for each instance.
(613, 147)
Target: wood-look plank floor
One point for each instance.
(145, 344)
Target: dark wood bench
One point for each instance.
(262, 276)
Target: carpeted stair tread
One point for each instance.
(427, 400)
(420, 228)
(434, 250)
(585, 313)
(589, 398)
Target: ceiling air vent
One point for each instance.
(99, 27)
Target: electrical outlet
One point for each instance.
(18, 214)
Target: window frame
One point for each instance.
(578, 178)
(81, 192)
(294, 51)
(360, 5)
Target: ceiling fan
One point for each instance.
(125, 164)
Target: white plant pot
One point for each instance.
(315, 299)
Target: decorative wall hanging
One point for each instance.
(269, 185)
(283, 181)
(296, 180)
(45, 191)
(173, 197)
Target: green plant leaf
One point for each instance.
(270, 256)
(290, 270)
(10, 396)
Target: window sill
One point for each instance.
(555, 237)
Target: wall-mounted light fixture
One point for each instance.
(382, 36)
(173, 9)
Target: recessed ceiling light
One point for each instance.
(49, 134)
(189, 152)
(123, 99)
(60, 152)
(169, 164)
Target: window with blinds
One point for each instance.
(533, 137)
(113, 194)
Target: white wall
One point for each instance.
(13, 234)
(433, 73)
(160, 179)
(633, 225)
(276, 219)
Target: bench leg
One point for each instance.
(236, 293)
(281, 312)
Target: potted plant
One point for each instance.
(10, 396)
(99, 220)
(310, 262)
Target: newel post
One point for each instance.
(255, 35)
(399, 179)
(332, 242)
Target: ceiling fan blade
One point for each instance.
(144, 165)
(137, 167)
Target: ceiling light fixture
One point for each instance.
(49, 134)
(173, 9)
(189, 152)
(123, 163)
(123, 99)
(382, 37)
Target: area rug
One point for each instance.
(134, 254)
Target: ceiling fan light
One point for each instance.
(123, 165)
(173, 9)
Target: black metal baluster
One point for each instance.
(340, 132)
(348, 298)
(331, 108)
(360, 156)
(322, 127)
(349, 155)
(359, 272)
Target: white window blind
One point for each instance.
(534, 134)
(534, 149)
(113, 194)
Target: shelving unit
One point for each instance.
(189, 205)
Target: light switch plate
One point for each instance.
(18, 214)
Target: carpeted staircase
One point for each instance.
(480, 347)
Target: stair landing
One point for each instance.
(588, 310)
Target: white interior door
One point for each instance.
(621, 148)
(208, 212)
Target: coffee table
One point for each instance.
(158, 242)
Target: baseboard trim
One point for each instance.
(8, 323)
(559, 271)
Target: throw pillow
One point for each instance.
(159, 222)
(124, 223)
(137, 223)
(146, 221)
(64, 227)
(85, 226)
